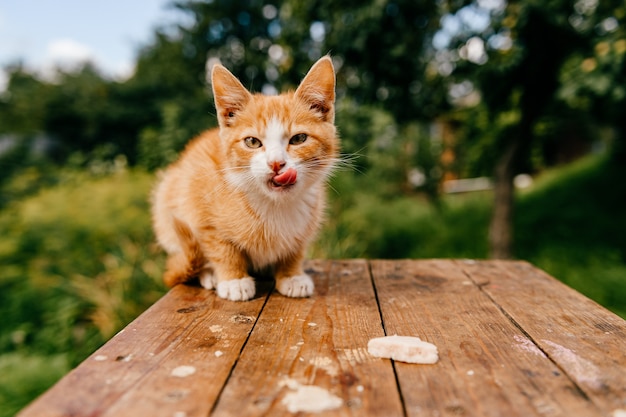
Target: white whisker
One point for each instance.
(329, 185)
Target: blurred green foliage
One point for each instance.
(30, 375)
(570, 224)
(78, 263)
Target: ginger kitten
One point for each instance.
(250, 195)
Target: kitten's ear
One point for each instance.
(230, 95)
(318, 89)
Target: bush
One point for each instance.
(79, 263)
(362, 223)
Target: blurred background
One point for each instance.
(470, 128)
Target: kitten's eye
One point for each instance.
(298, 139)
(252, 143)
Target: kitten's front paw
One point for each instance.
(296, 286)
(241, 289)
(207, 279)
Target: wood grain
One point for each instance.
(512, 342)
(487, 366)
(131, 375)
(319, 341)
(586, 341)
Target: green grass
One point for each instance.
(26, 376)
(573, 225)
(78, 263)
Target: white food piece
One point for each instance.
(183, 371)
(308, 398)
(403, 348)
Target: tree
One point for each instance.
(381, 48)
(242, 35)
(19, 112)
(166, 100)
(515, 63)
(593, 81)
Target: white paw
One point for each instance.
(208, 279)
(296, 286)
(241, 289)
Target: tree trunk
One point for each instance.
(501, 226)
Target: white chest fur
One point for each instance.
(284, 226)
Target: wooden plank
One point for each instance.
(587, 341)
(134, 374)
(512, 342)
(319, 341)
(487, 365)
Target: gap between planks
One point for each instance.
(480, 286)
(382, 322)
(243, 346)
(476, 321)
(318, 341)
(485, 368)
(583, 339)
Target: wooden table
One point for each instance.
(512, 341)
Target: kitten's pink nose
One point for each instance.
(277, 166)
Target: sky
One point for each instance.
(44, 33)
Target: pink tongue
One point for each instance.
(286, 178)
